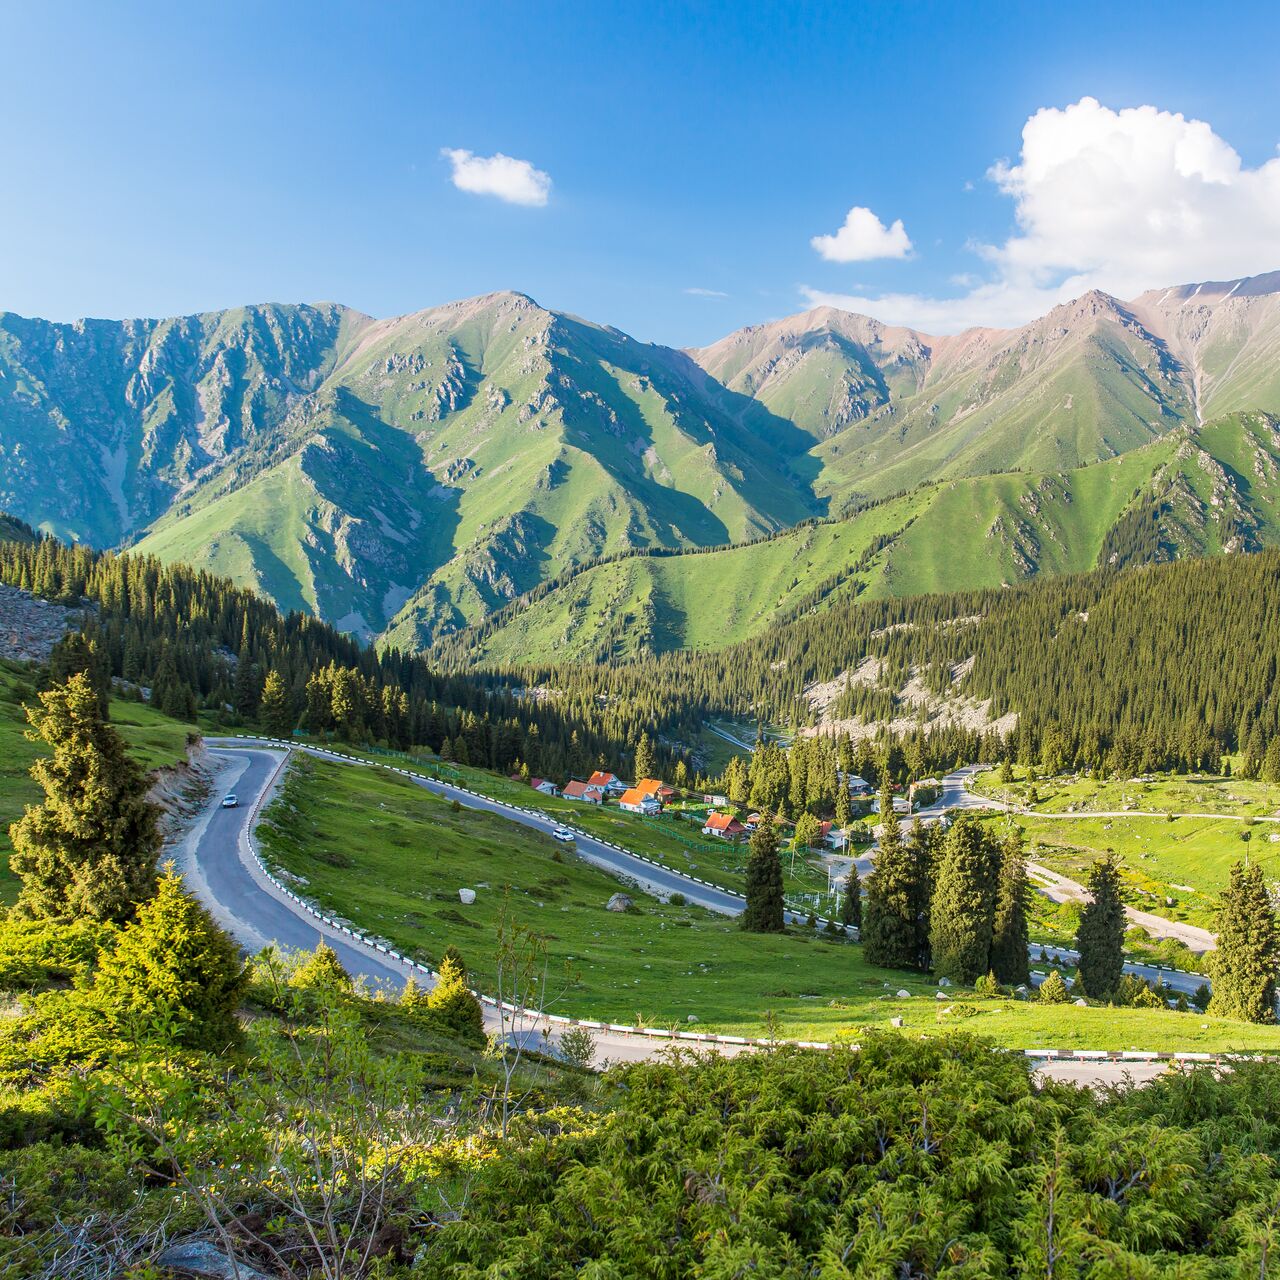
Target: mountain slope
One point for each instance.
(410, 477)
(1204, 491)
(457, 457)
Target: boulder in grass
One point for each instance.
(904, 994)
(895, 1022)
(200, 1258)
(619, 902)
(466, 896)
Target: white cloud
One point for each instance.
(863, 238)
(695, 292)
(1121, 201)
(515, 181)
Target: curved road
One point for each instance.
(221, 870)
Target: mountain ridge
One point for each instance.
(409, 476)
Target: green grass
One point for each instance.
(674, 841)
(154, 740)
(391, 857)
(1175, 868)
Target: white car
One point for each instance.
(563, 835)
(231, 801)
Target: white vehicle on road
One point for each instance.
(562, 834)
(230, 801)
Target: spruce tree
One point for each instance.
(961, 918)
(924, 849)
(851, 903)
(1244, 964)
(765, 910)
(277, 716)
(90, 848)
(890, 934)
(1009, 941)
(645, 762)
(844, 805)
(1101, 937)
(173, 968)
(451, 1008)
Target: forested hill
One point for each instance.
(1162, 665)
(1206, 490)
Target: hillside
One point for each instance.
(1199, 491)
(406, 478)
(888, 408)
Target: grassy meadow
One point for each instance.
(391, 857)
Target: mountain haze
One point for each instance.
(410, 477)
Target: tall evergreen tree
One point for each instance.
(90, 848)
(276, 713)
(1101, 937)
(645, 761)
(890, 934)
(765, 910)
(923, 848)
(1009, 955)
(961, 916)
(851, 903)
(1245, 962)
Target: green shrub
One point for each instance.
(1053, 990)
(174, 973)
(451, 1008)
(320, 970)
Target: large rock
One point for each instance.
(619, 902)
(466, 896)
(200, 1258)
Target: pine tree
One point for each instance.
(321, 970)
(1054, 990)
(924, 849)
(765, 910)
(645, 762)
(1009, 942)
(173, 968)
(1244, 964)
(890, 934)
(844, 805)
(851, 903)
(961, 918)
(451, 1008)
(277, 717)
(245, 698)
(90, 848)
(1101, 937)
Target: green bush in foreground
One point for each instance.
(905, 1159)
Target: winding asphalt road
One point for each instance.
(221, 870)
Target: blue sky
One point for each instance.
(168, 159)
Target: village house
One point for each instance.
(609, 783)
(635, 801)
(857, 786)
(717, 801)
(662, 791)
(545, 785)
(725, 826)
(583, 791)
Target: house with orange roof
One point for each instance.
(636, 801)
(724, 826)
(609, 783)
(583, 791)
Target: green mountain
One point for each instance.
(410, 478)
(1198, 491)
